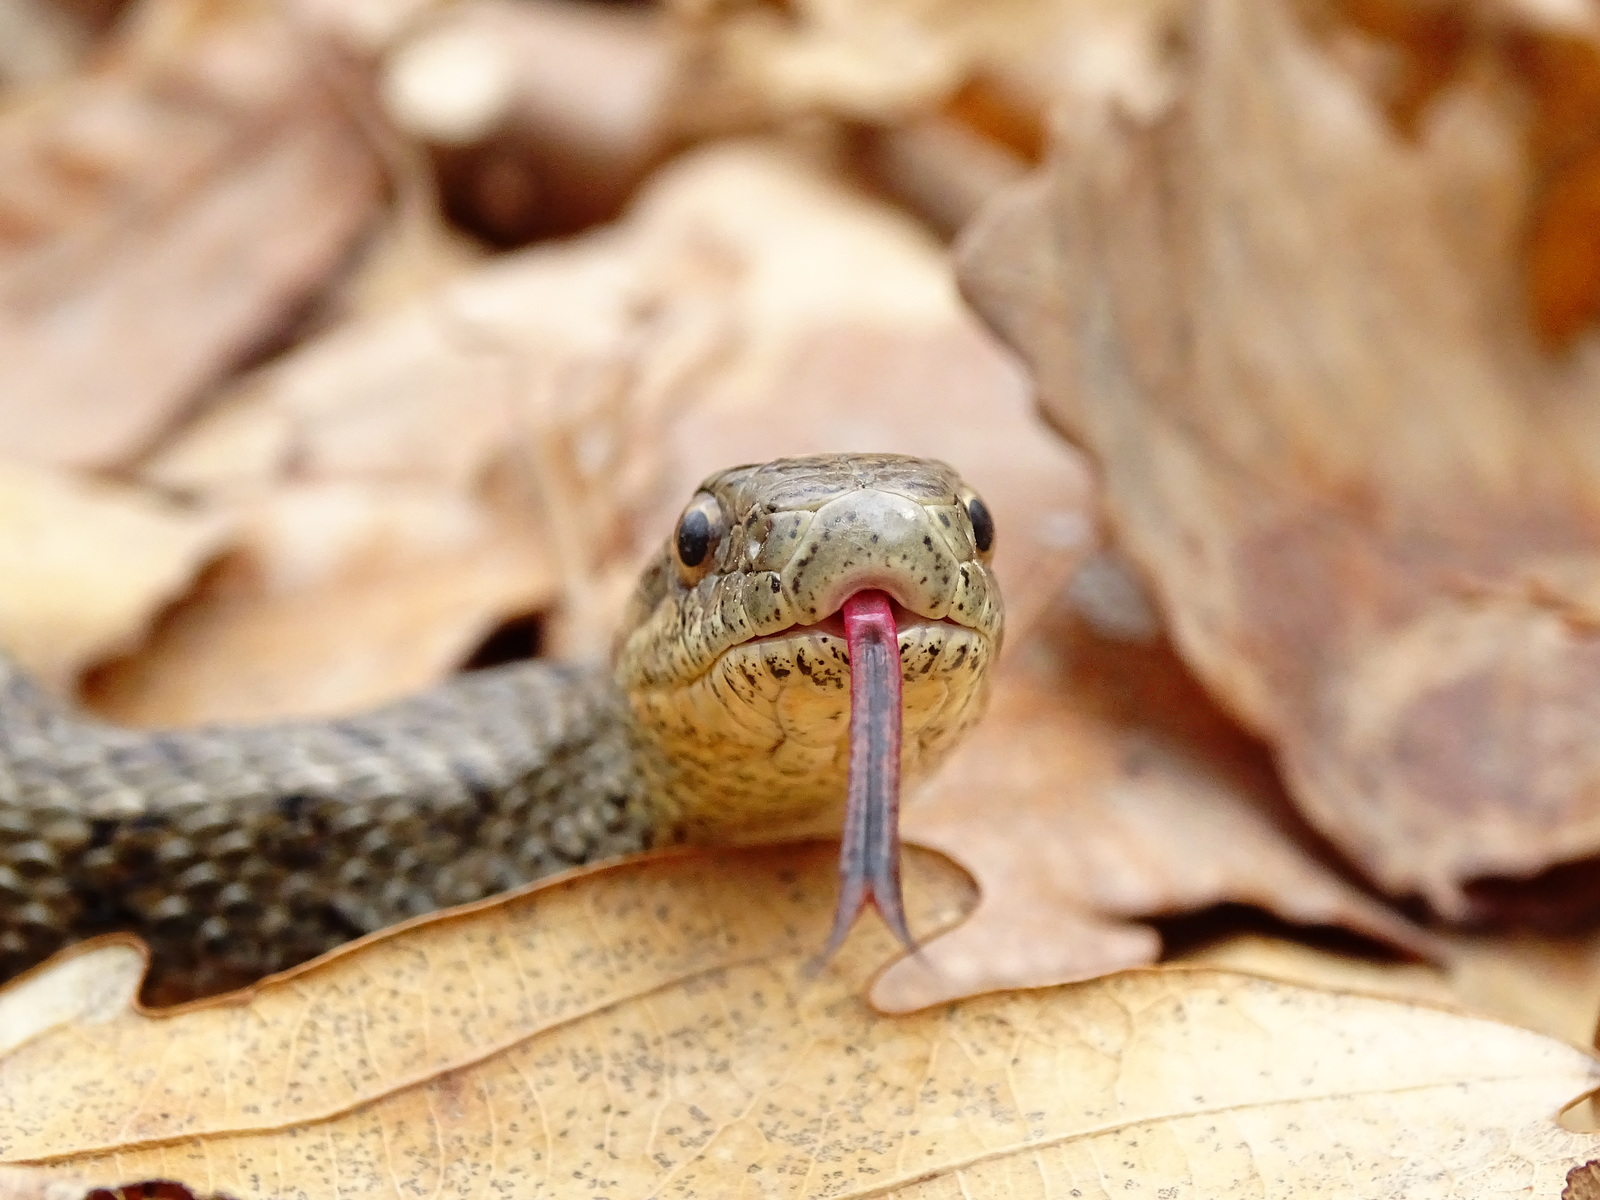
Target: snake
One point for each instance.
(751, 696)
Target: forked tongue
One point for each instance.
(869, 858)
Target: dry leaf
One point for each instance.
(337, 597)
(942, 170)
(653, 1029)
(1297, 962)
(1540, 981)
(1296, 341)
(546, 113)
(1103, 788)
(1583, 1182)
(39, 40)
(1547, 983)
(161, 217)
(85, 566)
(886, 61)
(96, 984)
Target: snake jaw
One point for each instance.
(869, 854)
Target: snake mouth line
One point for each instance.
(833, 624)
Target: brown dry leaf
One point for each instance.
(1102, 788)
(162, 216)
(337, 597)
(942, 170)
(653, 1028)
(1556, 52)
(1545, 982)
(85, 566)
(1297, 962)
(412, 480)
(97, 984)
(546, 113)
(1548, 982)
(1583, 1182)
(39, 40)
(893, 60)
(1368, 502)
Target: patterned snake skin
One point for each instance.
(235, 852)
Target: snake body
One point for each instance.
(723, 717)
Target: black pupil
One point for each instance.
(694, 538)
(982, 525)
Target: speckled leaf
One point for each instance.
(653, 1029)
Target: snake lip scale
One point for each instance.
(724, 715)
(833, 624)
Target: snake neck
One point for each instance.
(240, 851)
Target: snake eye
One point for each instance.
(699, 530)
(982, 522)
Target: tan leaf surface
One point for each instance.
(1102, 788)
(38, 41)
(1546, 982)
(1296, 341)
(653, 1029)
(547, 113)
(159, 218)
(94, 984)
(337, 597)
(893, 60)
(85, 566)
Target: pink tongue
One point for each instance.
(869, 859)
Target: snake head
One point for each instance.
(736, 658)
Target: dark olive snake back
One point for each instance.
(239, 851)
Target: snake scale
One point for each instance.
(724, 716)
